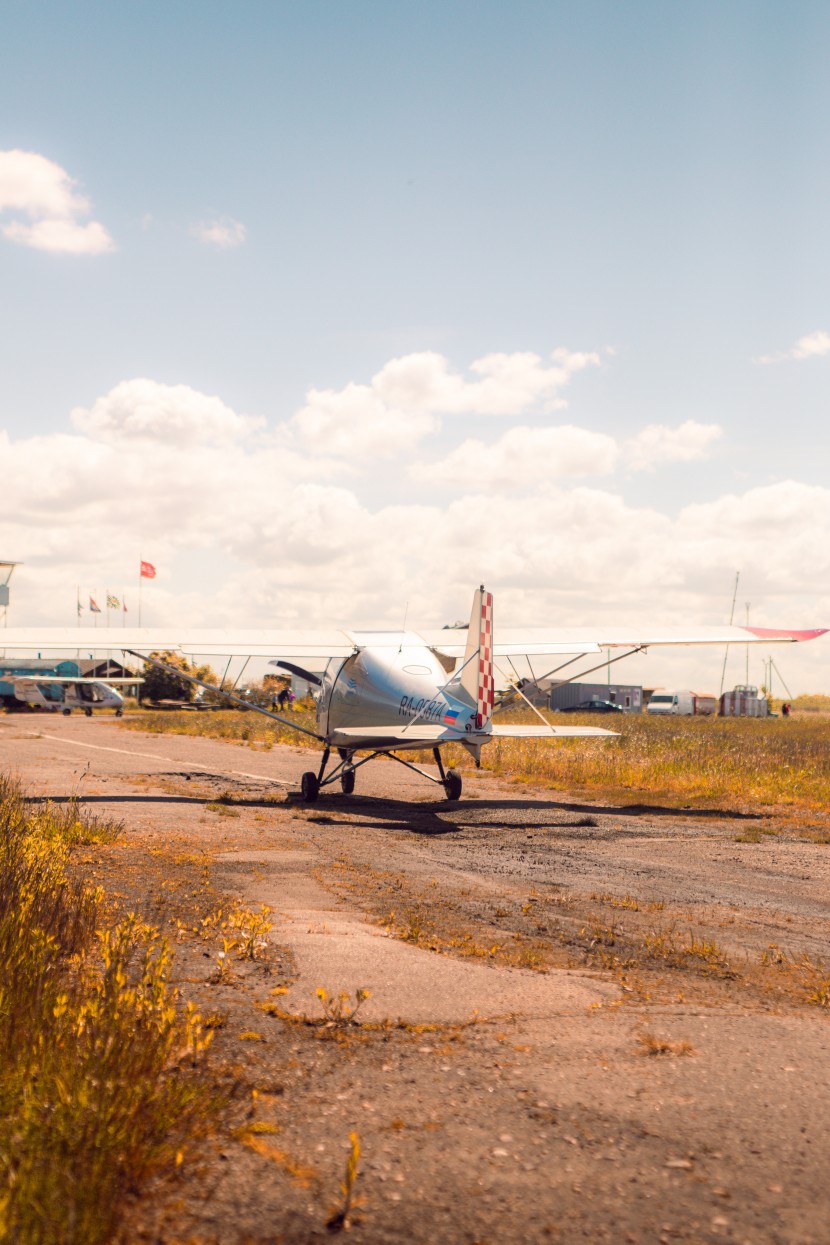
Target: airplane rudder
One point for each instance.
(486, 689)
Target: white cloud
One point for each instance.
(172, 415)
(658, 444)
(812, 346)
(526, 456)
(354, 422)
(523, 457)
(52, 208)
(403, 401)
(225, 233)
(510, 382)
(248, 531)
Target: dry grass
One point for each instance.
(695, 760)
(701, 761)
(97, 1086)
(657, 1047)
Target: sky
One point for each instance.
(333, 311)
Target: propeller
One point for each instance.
(298, 670)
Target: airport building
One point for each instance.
(547, 693)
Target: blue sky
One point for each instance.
(290, 198)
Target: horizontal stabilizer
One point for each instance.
(551, 732)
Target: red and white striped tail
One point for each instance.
(477, 678)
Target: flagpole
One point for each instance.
(78, 605)
(140, 577)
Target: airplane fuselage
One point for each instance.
(394, 686)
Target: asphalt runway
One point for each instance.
(538, 1117)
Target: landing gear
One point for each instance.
(450, 779)
(88, 712)
(452, 784)
(119, 713)
(310, 787)
(347, 781)
(345, 771)
(66, 712)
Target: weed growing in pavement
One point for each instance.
(799, 976)
(755, 834)
(339, 1220)
(630, 903)
(222, 808)
(251, 930)
(99, 1081)
(655, 1046)
(692, 951)
(338, 1010)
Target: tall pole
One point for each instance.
(731, 617)
(139, 591)
(746, 680)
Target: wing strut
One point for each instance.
(211, 687)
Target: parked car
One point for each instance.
(594, 705)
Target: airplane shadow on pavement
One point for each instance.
(438, 817)
(443, 817)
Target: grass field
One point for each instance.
(705, 761)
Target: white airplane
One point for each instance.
(77, 692)
(383, 693)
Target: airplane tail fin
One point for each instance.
(477, 676)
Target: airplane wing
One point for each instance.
(67, 678)
(317, 646)
(191, 642)
(530, 641)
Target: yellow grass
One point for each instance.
(703, 761)
(95, 1080)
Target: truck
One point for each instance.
(663, 703)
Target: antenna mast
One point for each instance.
(731, 616)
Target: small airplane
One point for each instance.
(383, 693)
(75, 692)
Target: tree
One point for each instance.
(163, 685)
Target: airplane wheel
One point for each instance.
(347, 781)
(452, 784)
(119, 712)
(88, 712)
(310, 787)
(66, 712)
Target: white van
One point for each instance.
(671, 702)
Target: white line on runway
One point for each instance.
(153, 756)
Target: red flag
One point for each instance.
(148, 571)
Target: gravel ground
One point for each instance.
(526, 954)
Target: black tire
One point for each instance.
(310, 787)
(119, 713)
(347, 781)
(452, 784)
(66, 712)
(88, 712)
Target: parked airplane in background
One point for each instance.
(383, 693)
(68, 693)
